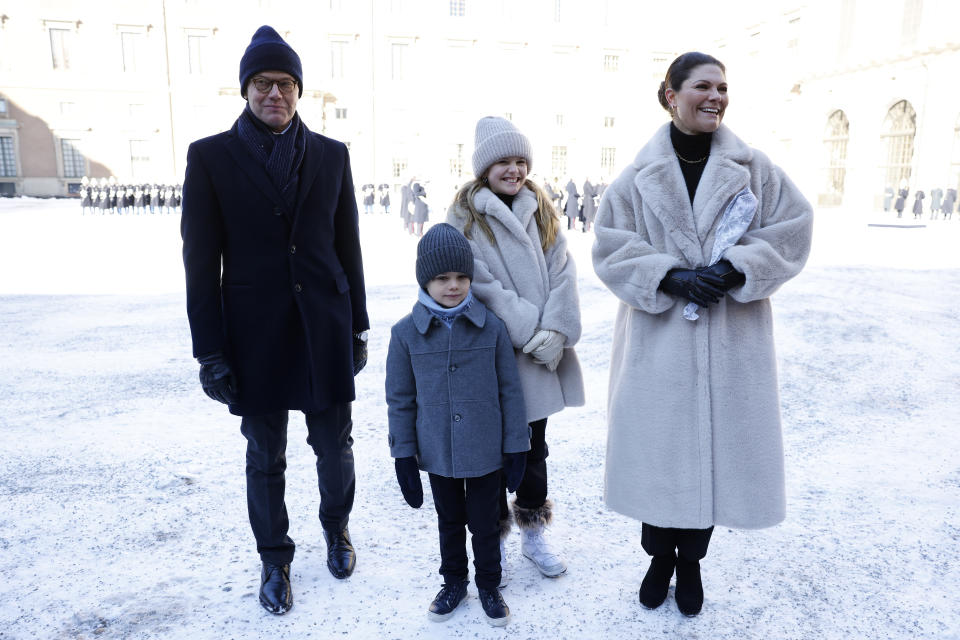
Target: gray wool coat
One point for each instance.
(529, 290)
(694, 436)
(454, 398)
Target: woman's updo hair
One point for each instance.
(679, 70)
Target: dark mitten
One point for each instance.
(514, 464)
(724, 270)
(408, 477)
(688, 284)
(359, 352)
(217, 378)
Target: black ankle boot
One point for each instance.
(341, 558)
(276, 596)
(689, 591)
(653, 589)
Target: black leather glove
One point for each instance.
(725, 271)
(217, 378)
(408, 477)
(703, 290)
(359, 351)
(514, 464)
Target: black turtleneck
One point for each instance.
(505, 199)
(687, 147)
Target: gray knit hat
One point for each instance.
(442, 249)
(497, 138)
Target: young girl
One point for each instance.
(456, 411)
(525, 275)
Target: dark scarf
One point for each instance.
(280, 154)
(691, 148)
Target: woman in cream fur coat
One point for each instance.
(694, 434)
(524, 274)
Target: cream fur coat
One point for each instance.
(529, 290)
(694, 436)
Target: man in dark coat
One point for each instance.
(282, 324)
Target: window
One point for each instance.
(8, 161)
(558, 161)
(397, 53)
(399, 167)
(338, 50)
(608, 159)
(340, 114)
(558, 119)
(140, 159)
(68, 108)
(3, 105)
(557, 10)
(74, 164)
(197, 47)
(912, 11)
(611, 62)
(508, 115)
(608, 122)
(130, 43)
(835, 139)
(137, 111)
(60, 48)
(899, 129)
(458, 8)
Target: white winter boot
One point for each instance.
(533, 544)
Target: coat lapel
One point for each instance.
(312, 161)
(724, 177)
(257, 174)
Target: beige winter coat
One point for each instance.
(694, 435)
(529, 290)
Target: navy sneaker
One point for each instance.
(498, 613)
(447, 601)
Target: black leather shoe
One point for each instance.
(446, 602)
(341, 558)
(498, 613)
(276, 596)
(653, 589)
(689, 591)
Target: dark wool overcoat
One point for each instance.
(290, 292)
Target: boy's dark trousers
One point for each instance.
(471, 502)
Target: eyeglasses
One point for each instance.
(264, 85)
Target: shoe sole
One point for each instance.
(277, 612)
(440, 617)
(545, 573)
(498, 622)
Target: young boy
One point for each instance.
(456, 411)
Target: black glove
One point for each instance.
(408, 477)
(702, 289)
(217, 378)
(514, 464)
(359, 352)
(725, 271)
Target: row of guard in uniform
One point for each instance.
(130, 199)
(940, 202)
(370, 197)
(576, 206)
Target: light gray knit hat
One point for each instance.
(497, 138)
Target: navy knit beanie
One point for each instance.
(442, 249)
(267, 51)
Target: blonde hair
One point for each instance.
(548, 222)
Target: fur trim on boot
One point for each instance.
(533, 518)
(505, 526)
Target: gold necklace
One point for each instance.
(691, 161)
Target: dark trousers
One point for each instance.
(691, 544)
(329, 436)
(532, 492)
(470, 502)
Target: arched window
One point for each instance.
(835, 139)
(899, 129)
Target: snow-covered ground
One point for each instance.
(123, 487)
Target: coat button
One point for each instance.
(293, 248)
(297, 288)
(277, 211)
(457, 417)
(453, 367)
